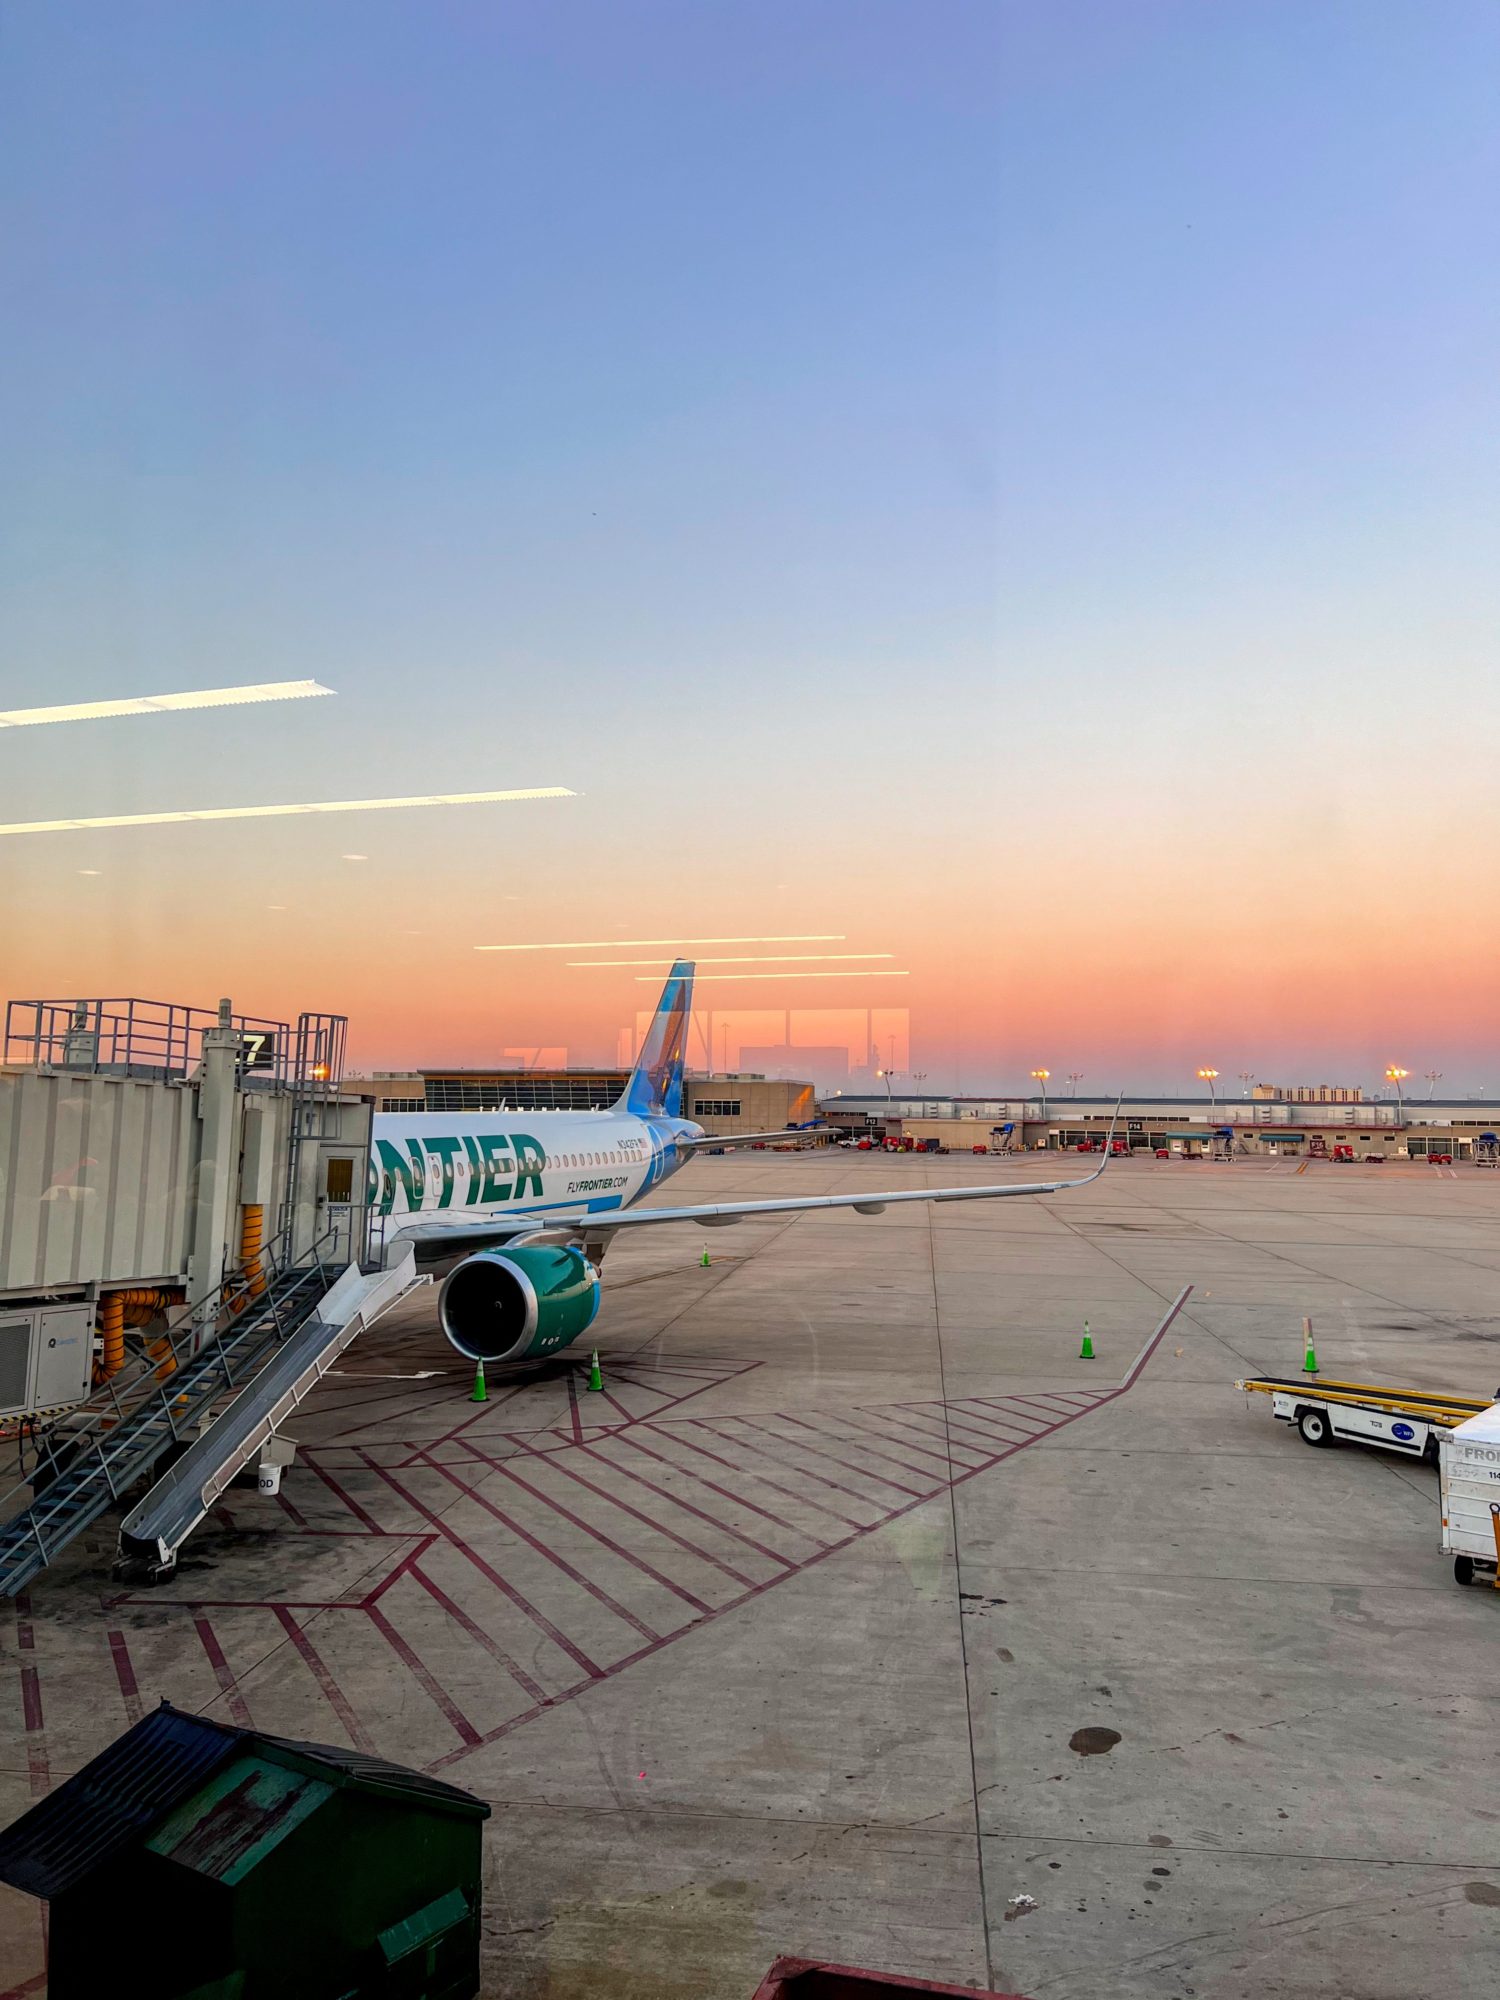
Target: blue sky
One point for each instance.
(993, 404)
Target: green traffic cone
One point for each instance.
(479, 1394)
(1310, 1360)
(703, 1260)
(596, 1380)
(1086, 1352)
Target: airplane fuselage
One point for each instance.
(567, 1163)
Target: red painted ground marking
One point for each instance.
(624, 1506)
(291, 1512)
(627, 1416)
(748, 1472)
(456, 1719)
(220, 1666)
(701, 1369)
(796, 1444)
(38, 1765)
(337, 1700)
(802, 1471)
(712, 1486)
(1036, 1402)
(1109, 1396)
(606, 1541)
(402, 1402)
(993, 1430)
(338, 1493)
(700, 1513)
(392, 1576)
(33, 1985)
(981, 1440)
(125, 1674)
(943, 1458)
(495, 1402)
(580, 1659)
(477, 1632)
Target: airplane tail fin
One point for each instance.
(655, 1084)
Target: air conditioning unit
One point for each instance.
(46, 1357)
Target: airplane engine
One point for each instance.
(512, 1305)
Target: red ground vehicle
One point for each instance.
(1343, 1153)
(1162, 1153)
(981, 1149)
(1440, 1159)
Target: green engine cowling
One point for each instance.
(513, 1305)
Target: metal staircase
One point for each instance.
(88, 1461)
(153, 1533)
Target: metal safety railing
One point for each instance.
(86, 1461)
(134, 1037)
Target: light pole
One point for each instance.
(1247, 1077)
(1211, 1077)
(1394, 1074)
(1434, 1078)
(887, 1074)
(1075, 1077)
(1040, 1076)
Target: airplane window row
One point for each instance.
(458, 1169)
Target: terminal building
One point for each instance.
(1298, 1119)
(741, 1101)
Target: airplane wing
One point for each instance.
(721, 1213)
(438, 1237)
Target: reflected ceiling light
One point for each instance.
(162, 704)
(614, 944)
(756, 958)
(710, 978)
(276, 812)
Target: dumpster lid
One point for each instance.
(143, 1776)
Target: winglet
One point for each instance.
(1109, 1146)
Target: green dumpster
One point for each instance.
(197, 1861)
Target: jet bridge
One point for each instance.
(182, 1208)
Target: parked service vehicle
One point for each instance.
(1412, 1422)
(1469, 1484)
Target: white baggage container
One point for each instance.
(1469, 1480)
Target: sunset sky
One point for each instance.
(1011, 484)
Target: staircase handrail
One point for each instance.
(81, 1428)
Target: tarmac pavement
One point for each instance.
(858, 1609)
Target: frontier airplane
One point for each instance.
(520, 1209)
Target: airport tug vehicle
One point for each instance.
(1413, 1422)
